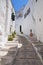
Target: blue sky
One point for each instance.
(18, 4)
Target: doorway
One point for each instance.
(20, 28)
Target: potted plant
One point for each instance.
(13, 34)
(10, 38)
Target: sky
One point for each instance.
(18, 4)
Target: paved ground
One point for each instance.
(26, 54)
(39, 47)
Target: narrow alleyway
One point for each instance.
(26, 54)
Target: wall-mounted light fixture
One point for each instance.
(12, 16)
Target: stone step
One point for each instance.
(9, 58)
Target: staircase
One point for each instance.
(8, 53)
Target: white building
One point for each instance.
(6, 23)
(29, 17)
(33, 19)
(6, 10)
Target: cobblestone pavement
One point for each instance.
(26, 54)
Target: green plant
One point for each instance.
(13, 34)
(10, 38)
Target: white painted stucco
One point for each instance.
(2, 14)
(28, 23)
(9, 20)
(6, 10)
(38, 13)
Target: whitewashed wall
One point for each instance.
(2, 14)
(38, 13)
(26, 23)
(6, 10)
(9, 21)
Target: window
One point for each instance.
(28, 11)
